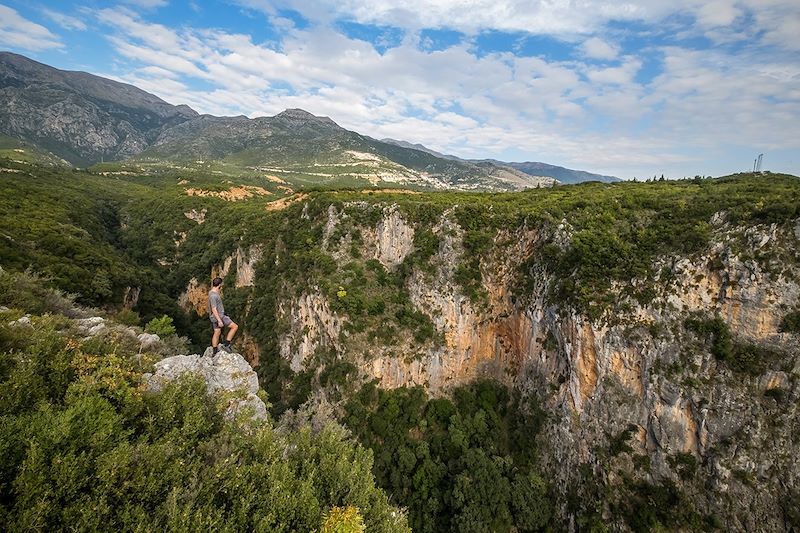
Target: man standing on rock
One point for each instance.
(219, 320)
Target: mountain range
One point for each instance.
(87, 119)
(531, 168)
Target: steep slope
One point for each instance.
(420, 147)
(643, 339)
(86, 119)
(652, 323)
(80, 117)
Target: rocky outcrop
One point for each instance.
(394, 238)
(636, 376)
(195, 297)
(80, 117)
(227, 375)
(245, 261)
(311, 327)
(197, 216)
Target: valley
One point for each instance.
(623, 349)
(426, 342)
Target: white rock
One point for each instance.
(148, 340)
(225, 372)
(22, 321)
(96, 330)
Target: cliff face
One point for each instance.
(642, 394)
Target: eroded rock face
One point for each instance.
(640, 372)
(226, 374)
(195, 297)
(637, 373)
(312, 326)
(394, 239)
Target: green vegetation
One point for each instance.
(742, 358)
(343, 520)
(618, 443)
(684, 463)
(74, 447)
(82, 447)
(462, 465)
(791, 322)
(660, 507)
(161, 326)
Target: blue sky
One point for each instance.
(674, 87)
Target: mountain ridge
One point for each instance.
(531, 168)
(86, 119)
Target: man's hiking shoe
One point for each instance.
(225, 348)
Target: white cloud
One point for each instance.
(67, 22)
(18, 32)
(619, 75)
(597, 48)
(566, 112)
(146, 4)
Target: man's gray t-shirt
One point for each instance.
(215, 300)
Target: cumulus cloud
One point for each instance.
(597, 48)
(18, 32)
(573, 112)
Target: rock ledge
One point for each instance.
(223, 373)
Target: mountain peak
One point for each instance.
(295, 112)
(299, 116)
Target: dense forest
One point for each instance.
(84, 448)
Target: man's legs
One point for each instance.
(215, 338)
(232, 327)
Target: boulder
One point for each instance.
(228, 374)
(22, 321)
(148, 340)
(92, 326)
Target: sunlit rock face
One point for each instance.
(637, 369)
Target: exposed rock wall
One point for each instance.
(639, 371)
(311, 326)
(195, 297)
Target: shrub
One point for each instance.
(343, 520)
(684, 463)
(128, 317)
(791, 323)
(161, 326)
(82, 448)
(33, 293)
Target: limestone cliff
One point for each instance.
(634, 395)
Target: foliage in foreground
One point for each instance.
(83, 447)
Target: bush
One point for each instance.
(343, 520)
(161, 326)
(791, 323)
(82, 448)
(128, 317)
(33, 294)
(465, 464)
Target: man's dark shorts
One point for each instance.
(226, 321)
